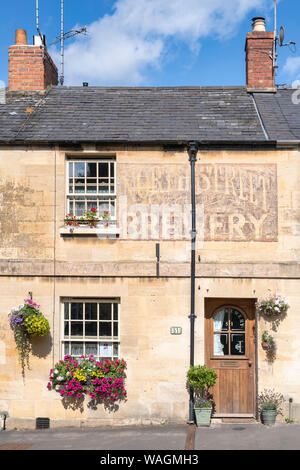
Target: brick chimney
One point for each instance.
(259, 64)
(30, 67)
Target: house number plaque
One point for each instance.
(175, 330)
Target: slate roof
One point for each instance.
(148, 114)
(280, 113)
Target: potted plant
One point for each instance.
(272, 306)
(201, 379)
(89, 218)
(27, 321)
(105, 217)
(269, 405)
(267, 342)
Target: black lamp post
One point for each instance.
(192, 151)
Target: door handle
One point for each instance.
(250, 363)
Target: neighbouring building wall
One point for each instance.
(248, 241)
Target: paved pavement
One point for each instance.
(248, 436)
(251, 436)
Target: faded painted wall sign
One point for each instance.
(239, 201)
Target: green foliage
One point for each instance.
(201, 379)
(26, 321)
(272, 306)
(270, 400)
(289, 420)
(266, 338)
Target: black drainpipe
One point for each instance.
(192, 151)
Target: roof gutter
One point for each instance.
(204, 144)
(288, 144)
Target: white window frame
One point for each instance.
(68, 339)
(90, 196)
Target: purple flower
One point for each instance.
(15, 321)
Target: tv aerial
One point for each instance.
(278, 39)
(61, 38)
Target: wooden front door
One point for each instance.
(230, 351)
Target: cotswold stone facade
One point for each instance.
(37, 257)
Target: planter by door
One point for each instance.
(230, 351)
(268, 417)
(203, 416)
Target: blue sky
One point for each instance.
(154, 42)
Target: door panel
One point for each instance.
(230, 351)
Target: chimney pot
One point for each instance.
(258, 24)
(20, 37)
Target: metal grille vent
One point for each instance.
(42, 423)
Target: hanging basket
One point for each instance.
(272, 306)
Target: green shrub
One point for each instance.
(201, 379)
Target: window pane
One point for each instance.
(103, 189)
(91, 170)
(105, 329)
(221, 344)
(103, 170)
(103, 206)
(112, 170)
(77, 328)
(237, 321)
(116, 349)
(76, 311)
(105, 311)
(115, 329)
(79, 209)
(90, 328)
(221, 320)
(91, 348)
(237, 344)
(79, 169)
(66, 349)
(115, 306)
(70, 169)
(112, 209)
(66, 330)
(91, 311)
(91, 205)
(105, 350)
(79, 189)
(76, 349)
(66, 309)
(91, 189)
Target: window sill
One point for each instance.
(99, 231)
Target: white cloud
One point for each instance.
(292, 67)
(119, 47)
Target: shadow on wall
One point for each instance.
(41, 346)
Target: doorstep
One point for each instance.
(218, 418)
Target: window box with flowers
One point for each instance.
(103, 381)
(82, 225)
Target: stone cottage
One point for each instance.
(130, 289)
